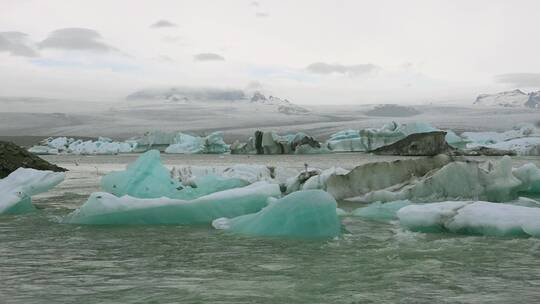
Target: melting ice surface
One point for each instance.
(106, 209)
(17, 188)
(302, 214)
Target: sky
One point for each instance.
(310, 52)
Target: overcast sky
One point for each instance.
(311, 52)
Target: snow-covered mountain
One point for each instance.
(284, 106)
(515, 98)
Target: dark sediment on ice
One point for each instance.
(13, 157)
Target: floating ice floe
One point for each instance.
(302, 214)
(471, 217)
(272, 143)
(381, 175)
(103, 145)
(381, 211)
(524, 139)
(181, 143)
(491, 181)
(148, 178)
(106, 209)
(370, 139)
(18, 187)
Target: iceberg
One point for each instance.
(17, 188)
(370, 139)
(525, 146)
(103, 145)
(299, 143)
(381, 175)
(187, 144)
(492, 181)
(302, 214)
(106, 209)
(148, 178)
(472, 217)
(381, 211)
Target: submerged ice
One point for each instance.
(302, 214)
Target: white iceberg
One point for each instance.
(472, 217)
(17, 188)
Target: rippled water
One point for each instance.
(42, 261)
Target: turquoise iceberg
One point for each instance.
(302, 214)
(106, 209)
(148, 178)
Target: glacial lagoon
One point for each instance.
(44, 259)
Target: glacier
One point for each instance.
(302, 214)
(103, 208)
(18, 187)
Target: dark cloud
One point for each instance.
(163, 23)
(75, 39)
(208, 57)
(16, 44)
(352, 70)
(261, 14)
(520, 79)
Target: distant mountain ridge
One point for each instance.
(284, 106)
(513, 99)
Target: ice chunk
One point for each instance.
(381, 175)
(250, 173)
(381, 211)
(106, 209)
(472, 217)
(525, 146)
(529, 175)
(186, 144)
(148, 178)
(457, 180)
(302, 214)
(214, 144)
(319, 181)
(346, 141)
(17, 188)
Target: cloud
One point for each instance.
(254, 3)
(16, 44)
(76, 39)
(163, 23)
(261, 14)
(351, 70)
(208, 57)
(520, 79)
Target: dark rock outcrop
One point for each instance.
(13, 157)
(418, 144)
